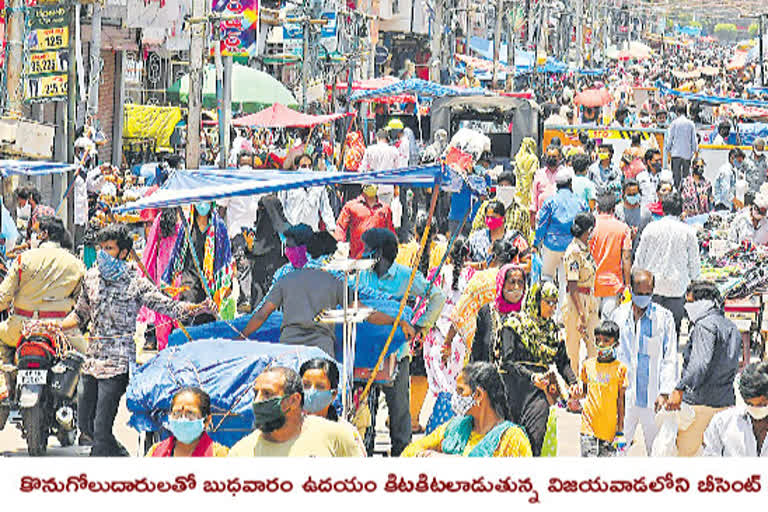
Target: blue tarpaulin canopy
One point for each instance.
(758, 91)
(703, 98)
(424, 89)
(186, 187)
(29, 168)
(484, 49)
(225, 369)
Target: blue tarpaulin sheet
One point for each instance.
(370, 338)
(746, 135)
(225, 369)
(28, 168)
(422, 88)
(703, 98)
(186, 187)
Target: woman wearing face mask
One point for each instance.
(696, 191)
(525, 348)
(481, 427)
(202, 261)
(580, 310)
(516, 217)
(480, 241)
(188, 421)
(320, 378)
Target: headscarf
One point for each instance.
(538, 335)
(502, 306)
(526, 165)
(217, 265)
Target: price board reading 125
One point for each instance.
(49, 39)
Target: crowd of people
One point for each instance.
(568, 286)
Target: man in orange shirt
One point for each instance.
(611, 248)
(361, 214)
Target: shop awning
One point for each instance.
(187, 187)
(424, 89)
(280, 116)
(32, 169)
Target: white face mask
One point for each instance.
(506, 195)
(696, 309)
(25, 211)
(756, 412)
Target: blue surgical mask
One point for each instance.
(634, 199)
(110, 267)
(203, 208)
(186, 431)
(642, 301)
(315, 400)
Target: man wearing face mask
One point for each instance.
(650, 177)
(632, 212)
(603, 173)
(113, 292)
(307, 205)
(380, 157)
(756, 166)
(28, 198)
(725, 180)
(553, 228)
(392, 278)
(710, 361)
(543, 185)
(741, 431)
(648, 347)
(40, 283)
(284, 430)
(750, 223)
(360, 215)
(723, 134)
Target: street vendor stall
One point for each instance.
(185, 187)
(741, 273)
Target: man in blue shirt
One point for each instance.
(392, 278)
(553, 227)
(681, 143)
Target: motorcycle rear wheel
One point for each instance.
(36, 430)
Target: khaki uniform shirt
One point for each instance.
(48, 278)
(579, 264)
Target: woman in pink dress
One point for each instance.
(160, 243)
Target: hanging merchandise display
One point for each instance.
(239, 26)
(46, 44)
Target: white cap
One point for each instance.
(564, 175)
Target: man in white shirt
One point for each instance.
(740, 431)
(648, 347)
(669, 249)
(307, 205)
(378, 157)
(81, 207)
(240, 213)
(649, 178)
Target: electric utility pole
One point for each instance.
(198, 25)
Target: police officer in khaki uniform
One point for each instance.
(41, 283)
(580, 310)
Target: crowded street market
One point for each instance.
(364, 229)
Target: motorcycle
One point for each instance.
(45, 397)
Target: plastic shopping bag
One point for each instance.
(397, 211)
(669, 422)
(549, 446)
